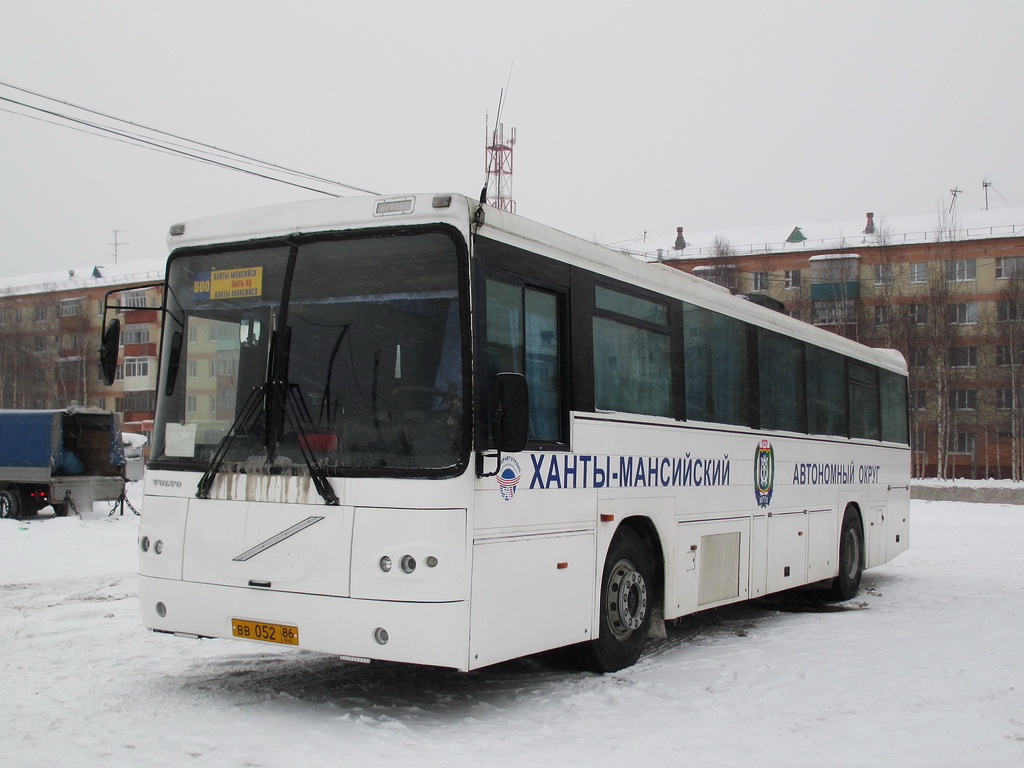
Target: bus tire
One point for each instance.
(627, 602)
(10, 504)
(851, 556)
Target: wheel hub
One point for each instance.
(627, 599)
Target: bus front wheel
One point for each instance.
(626, 604)
(851, 557)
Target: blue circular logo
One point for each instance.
(509, 475)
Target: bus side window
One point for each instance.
(826, 392)
(716, 363)
(524, 336)
(863, 401)
(894, 407)
(632, 354)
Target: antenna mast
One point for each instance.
(498, 159)
(117, 243)
(499, 168)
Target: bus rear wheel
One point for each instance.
(626, 604)
(851, 557)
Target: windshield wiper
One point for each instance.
(248, 411)
(302, 425)
(294, 410)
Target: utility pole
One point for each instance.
(954, 192)
(985, 184)
(116, 243)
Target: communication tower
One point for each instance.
(499, 168)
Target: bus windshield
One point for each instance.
(349, 349)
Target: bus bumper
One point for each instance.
(435, 634)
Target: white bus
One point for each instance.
(424, 430)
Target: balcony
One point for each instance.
(835, 291)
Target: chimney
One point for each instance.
(870, 228)
(680, 240)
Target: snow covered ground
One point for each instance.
(925, 668)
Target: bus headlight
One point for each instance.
(408, 563)
(385, 564)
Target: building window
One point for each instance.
(70, 307)
(918, 314)
(17, 314)
(1004, 399)
(1005, 357)
(136, 366)
(1009, 266)
(191, 404)
(833, 312)
(962, 443)
(193, 369)
(961, 270)
(40, 343)
(41, 312)
(139, 401)
(918, 399)
(919, 272)
(963, 313)
(883, 274)
(135, 333)
(132, 300)
(963, 399)
(761, 281)
(792, 279)
(227, 364)
(964, 356)
(1007, 310)
(881, 315)
(918, 357)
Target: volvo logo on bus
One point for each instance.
(764, 473)
(509, 475)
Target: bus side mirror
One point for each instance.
(511, 414)
(108, 351)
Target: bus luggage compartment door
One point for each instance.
(531, 593)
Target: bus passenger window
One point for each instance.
(781, 376)
(826, 392)
(632, 354)
(716, 364)
(894, 407)
(863, 402)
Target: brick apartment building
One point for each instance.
(946, 290)
(50, 327)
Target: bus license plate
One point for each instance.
(261, 630)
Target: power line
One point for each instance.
(192, 149)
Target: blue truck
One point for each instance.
(61, 458)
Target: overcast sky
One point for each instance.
(630, 117)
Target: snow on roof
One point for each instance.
(965, 225)
(79, 278)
